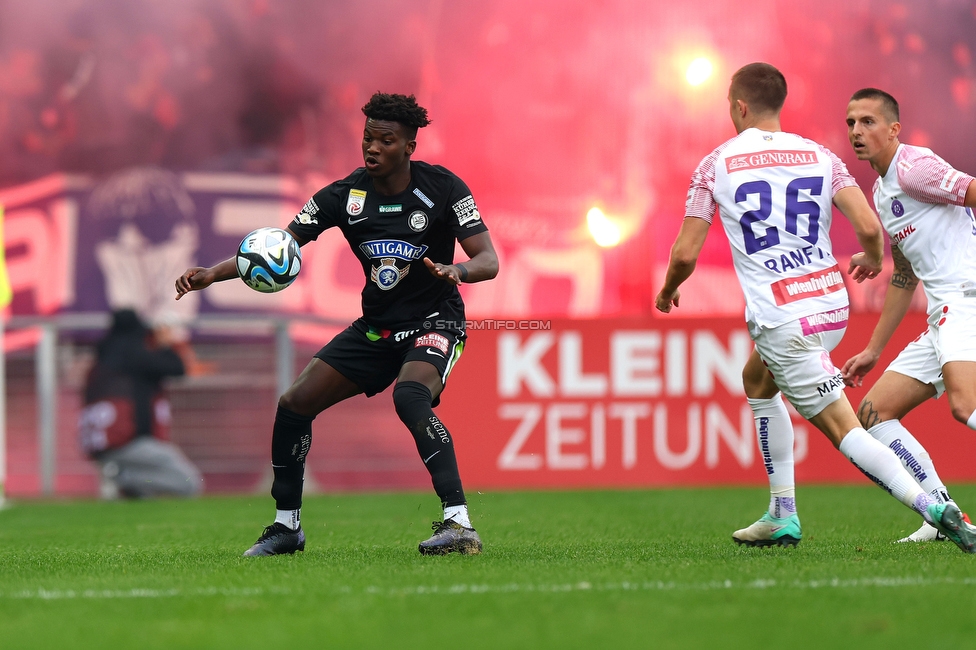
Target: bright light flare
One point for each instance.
(698, 71)
(605, 231)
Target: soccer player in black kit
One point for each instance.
(401, 218)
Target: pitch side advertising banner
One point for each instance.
(641, 403)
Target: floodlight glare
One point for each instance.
(698, 71)
(605, 232)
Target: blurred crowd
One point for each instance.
(548, 108)
(99, 86)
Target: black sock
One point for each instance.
(412, 400)
(290, 442)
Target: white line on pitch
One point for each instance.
(424, 590)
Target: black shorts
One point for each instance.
(372, 358)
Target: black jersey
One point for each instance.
(392, 234)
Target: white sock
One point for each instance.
(880, 464)
(913, 456)
(782, 502)
(774, 432)
(290, 518)
(459, 514)
(971, 422)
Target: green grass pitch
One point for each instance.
(599, 569)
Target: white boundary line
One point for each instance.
(426, 590)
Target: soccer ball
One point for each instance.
(269, 259)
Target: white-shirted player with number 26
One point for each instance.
(774, 192)
(926, 207)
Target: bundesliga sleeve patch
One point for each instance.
(466, 211)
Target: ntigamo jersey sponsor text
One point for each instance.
(393, 248)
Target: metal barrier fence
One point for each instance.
(46, 375)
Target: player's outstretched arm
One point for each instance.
(482, 265)
(897, 300)
(684, 257)
(198, 277)
(865, 265)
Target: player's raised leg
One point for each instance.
(801, 365)
(880, 464)
(880, 412)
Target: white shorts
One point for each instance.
(952, 338)
(798, 357)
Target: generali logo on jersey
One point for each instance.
(775, 158)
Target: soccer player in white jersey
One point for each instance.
(925, 205)
(774, 193)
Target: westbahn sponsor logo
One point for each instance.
(908, 460)
(775, 158)
(423, 197)
(764, 445)
(818, 283)
(401, 250)
(825, 321)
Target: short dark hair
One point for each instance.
(889, 105)
(761, 86)
(402, 109)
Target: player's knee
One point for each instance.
(756, 380)
(865, 414)
(412, 401)
(862, 416)
(873, 411)
(962, 401)
(962, 410)
(297, 402)
(759, 386)
(751, 386)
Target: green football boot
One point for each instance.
(770, 531)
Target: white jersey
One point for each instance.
(920, 202)
(774, 192)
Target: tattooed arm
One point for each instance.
(898, 298)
